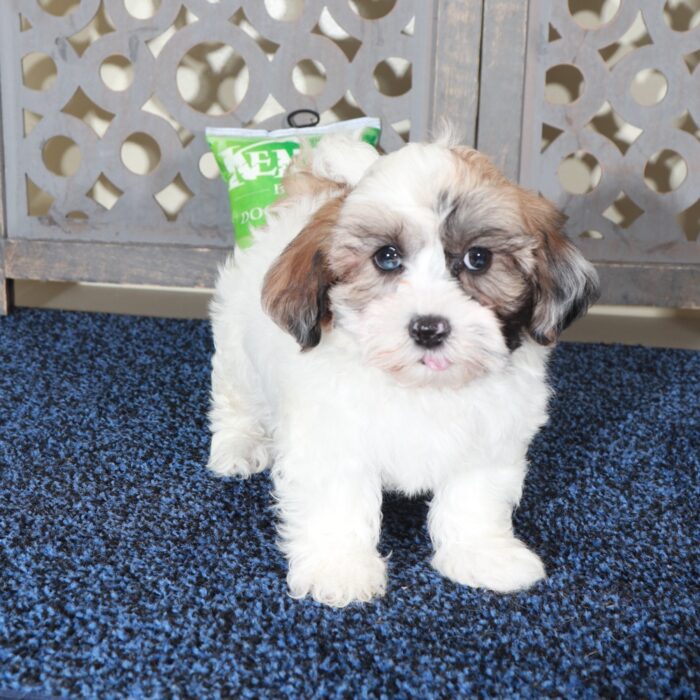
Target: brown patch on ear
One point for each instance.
(565, 284)
(295, 288)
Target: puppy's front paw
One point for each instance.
(233, 454)
(501, 564)
(338, 578)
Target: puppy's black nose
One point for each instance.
(429, 331)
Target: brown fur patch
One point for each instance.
(295, 288)
(478, 167)
(359, 237)
(488, 217)
(566, 284)
(537, 280)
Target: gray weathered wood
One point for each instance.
(647, 261)
(80, 238)
(113, 263)
(6, 295)
(137, 217)
(479, 64)
(528, 143)
(502, 69)
(673, 286)
(656, 235)
(455, 96)
(6, 286)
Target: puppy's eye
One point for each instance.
(388, 258)
(477, 259)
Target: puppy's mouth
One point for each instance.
(437, 363)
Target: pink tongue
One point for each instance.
(436, 363)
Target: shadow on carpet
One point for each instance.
(127, 571)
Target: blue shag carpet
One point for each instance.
(127, 571)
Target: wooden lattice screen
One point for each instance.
(104, 103)
(602, 117)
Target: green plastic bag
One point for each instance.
(253, 162)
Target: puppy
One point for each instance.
(389, 329)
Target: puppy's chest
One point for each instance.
(417, 438)
(414, 443)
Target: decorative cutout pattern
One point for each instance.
(613, 88)
(110, 100)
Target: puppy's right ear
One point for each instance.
(295, 288)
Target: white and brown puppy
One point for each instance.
(389, 329)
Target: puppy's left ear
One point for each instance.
(565, 283)
(295, 288)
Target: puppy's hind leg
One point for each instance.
(239, 442)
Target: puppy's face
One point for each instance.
(435, 265)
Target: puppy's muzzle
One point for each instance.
(429, 331)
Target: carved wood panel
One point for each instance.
(105, 101)
(612, 107)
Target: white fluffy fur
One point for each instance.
(339, 428)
